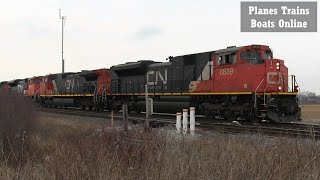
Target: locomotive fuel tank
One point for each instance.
(64, 102)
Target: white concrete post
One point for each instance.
(185, 121)
(192, 120)
(178, 122)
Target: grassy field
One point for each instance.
(61, 147)
(311, 113)
(64, 148)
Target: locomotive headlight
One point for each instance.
(278, 65)
(279, 88)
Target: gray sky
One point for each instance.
(101, 33)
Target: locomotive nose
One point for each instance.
(277, 75)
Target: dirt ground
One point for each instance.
(311, 113)
(48, 123)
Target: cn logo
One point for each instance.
(272, 76)
(69, 84)
(153, 77)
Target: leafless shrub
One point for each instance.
(16, 120)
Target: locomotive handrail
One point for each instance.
(104, 93)
(264, 91)
(36, 94)
(96, 93)
(255, 96)
(294, 83)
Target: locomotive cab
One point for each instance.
(271, 88)
(271, 73)
(241, 69)
(266, 74)
(252, 70)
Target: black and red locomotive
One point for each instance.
(237, 82)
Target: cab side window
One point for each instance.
(229, 58)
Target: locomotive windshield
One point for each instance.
(267, 55)
(249, 55)
(252, 57)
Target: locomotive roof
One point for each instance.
(132, 65)
(86, 73)
(193, 54)
(160, 64)
(229, 49)
(225, 50)
(15, 81)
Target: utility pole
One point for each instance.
(63, 19)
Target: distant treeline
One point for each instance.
(307, 97)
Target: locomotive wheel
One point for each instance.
(229, 115)
(137, 111)
(255, 119)
(210, 116)
(251, 118)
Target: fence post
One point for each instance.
(125, 116)
(192, 120)
(112, 119)
(147, 107)
(150, 103)
(185, 121)
(178, 122)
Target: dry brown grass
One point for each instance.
(63, 148)
(311, 113)
(161, 156)
(16, 122)
(60, 125)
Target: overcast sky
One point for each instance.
(101, 33)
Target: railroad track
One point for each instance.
(278, 130)
(107, 115)
(293, 130)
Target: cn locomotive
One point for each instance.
(236, 82)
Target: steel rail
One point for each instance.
(301, 130)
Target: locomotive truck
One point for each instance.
(236, 82)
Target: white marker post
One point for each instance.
(192, 120)
(178, 122)
(185, 121)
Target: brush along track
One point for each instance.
(272, 129)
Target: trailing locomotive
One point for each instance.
(237, 82)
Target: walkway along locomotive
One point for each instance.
(237, 82)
